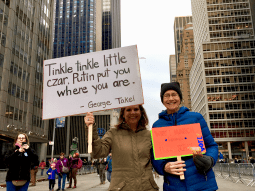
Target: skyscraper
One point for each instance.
(83, 26)
(26, 40)
(172, 66)
(186, 59)
(222, 76)
(179, 23)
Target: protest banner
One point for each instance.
(174, 141)
(91, 82)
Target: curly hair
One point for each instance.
(144, 121)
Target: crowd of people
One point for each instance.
(125, 153)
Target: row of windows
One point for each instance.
(230, 27)
(247, 87)
(230, 54)
(24, 18)
(16, 114)
(36, 121)
(230, 97)
(241, 133)
(38, 102)
(231, 106)
(230, 64)
(17, 91)
(3, 17)
(17, 71)
(228, 13)
(227, 6)
(236, 124)
(22, 35)
(235, 115)
(20, 53)
(229, 46)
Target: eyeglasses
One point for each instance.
(20, 138)
(167, 96)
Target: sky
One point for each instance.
(149, 25)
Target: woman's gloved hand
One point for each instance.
(203, 163)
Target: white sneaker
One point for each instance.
(67, 182)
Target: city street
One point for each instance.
(91, 182)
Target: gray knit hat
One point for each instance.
(170, 86)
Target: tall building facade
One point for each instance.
(186, 58)
(83, 26)
(222, 76)
(172, 67)
(179, 23)
(26, 40)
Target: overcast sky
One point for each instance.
(149, 25)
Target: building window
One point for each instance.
(1, 60)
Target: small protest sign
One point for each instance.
(91, 82)
(173, 141)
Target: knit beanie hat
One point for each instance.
(170, 86)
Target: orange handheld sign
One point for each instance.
(173, 141)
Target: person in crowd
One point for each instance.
(18, 161)
(197, 169)
(109, 166)
(75, 164)
(102, 164)
(90, 166)
(34, 170)
(52, 171)
(85, 163)
(70, 170)
(130, 144)
(55, 160)
(61, 167)
(42, 166)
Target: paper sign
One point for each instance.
(91, 82)
(173, 141)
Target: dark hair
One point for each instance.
(62, 154)
(144, 121)
(15, 139)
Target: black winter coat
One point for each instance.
(19, 164)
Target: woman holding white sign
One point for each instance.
(130, 144)
(197, 169)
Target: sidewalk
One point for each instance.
(91, 182)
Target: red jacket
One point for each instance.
(42, 165)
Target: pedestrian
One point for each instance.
(18, 161)
(62, 168)
(67, 175)
(197, 169)
(34, 170)
(102, 164)
(42, 166)
(75, 164)
(52, 176)
(109, 166)
(130, 144)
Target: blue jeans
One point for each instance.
(11, 187)
(64, 181)
(109, 175)
(42, 172)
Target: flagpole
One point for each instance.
(52, 151)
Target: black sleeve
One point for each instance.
(34, 157)
(10, 156)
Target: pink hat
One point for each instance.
(53, 164)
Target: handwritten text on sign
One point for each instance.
(173, 141)
(91, 82)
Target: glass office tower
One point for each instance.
(26, 40)
(222, 76)
(83, 26)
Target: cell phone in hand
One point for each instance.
(24, 143)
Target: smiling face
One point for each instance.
(171, 101)
(132, 115)
(21, 138)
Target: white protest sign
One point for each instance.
(91, 82)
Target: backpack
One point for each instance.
(79, 164)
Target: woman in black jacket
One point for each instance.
(19, 161)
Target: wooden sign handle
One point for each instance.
(90, 138)
(179, 158)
